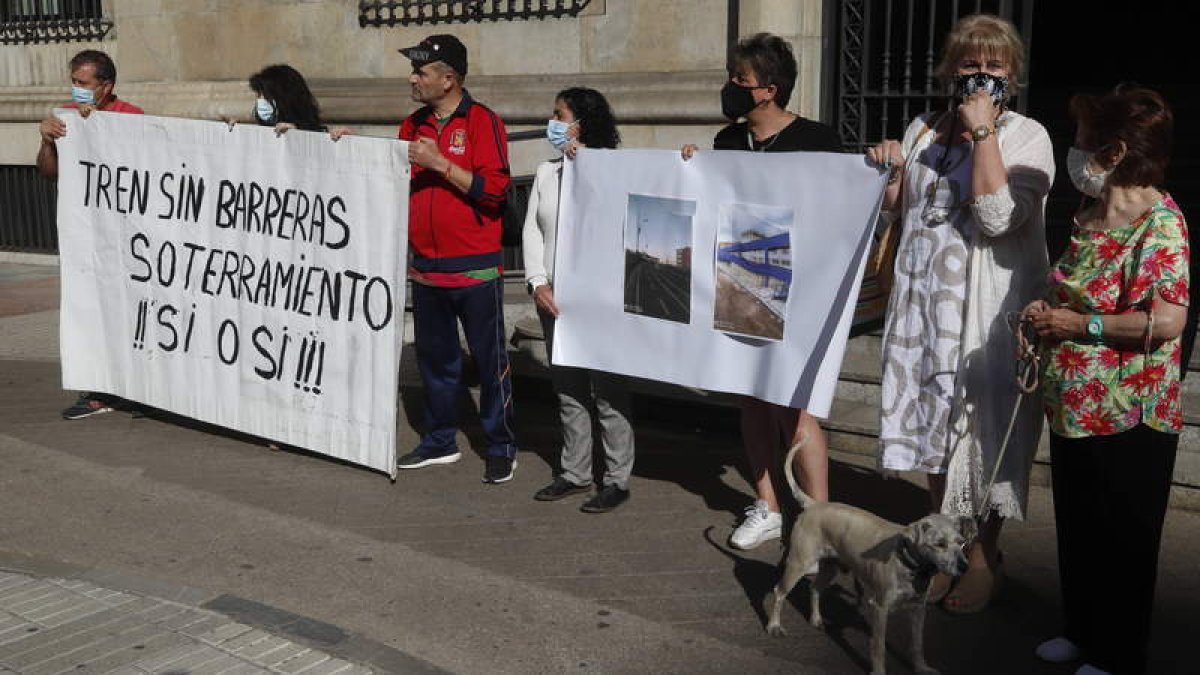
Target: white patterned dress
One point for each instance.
(948, 384)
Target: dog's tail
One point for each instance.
(799, 494)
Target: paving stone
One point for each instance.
(23, 594)
(155, 662)
(329, 667)
(190, 662)
(18, 632)
(51, 607)
(188, 617)
(225, 633)
(93, 626)
(290, 651)
(130, 653)
(301, 662)
(256, 651)
(75, 612)
(209, 624)
(244, 669)
(226, 663)
(247, 638)
(93, 651)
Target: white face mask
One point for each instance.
(1090, 184)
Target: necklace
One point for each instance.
(764, 148)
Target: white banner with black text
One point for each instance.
(237, 277)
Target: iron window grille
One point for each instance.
(34, 21)
(416, 12)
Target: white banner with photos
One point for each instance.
(229, 275)
(732, 271)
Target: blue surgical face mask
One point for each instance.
(83, 95)
(265, 110)
(556, 133)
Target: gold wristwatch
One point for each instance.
(981, 132)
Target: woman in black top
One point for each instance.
(762, 72)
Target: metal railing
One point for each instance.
(35, 21)
(415, 12)
(27, 211)
(882, 59)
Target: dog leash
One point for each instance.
(1027, 382)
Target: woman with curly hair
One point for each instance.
(582, 119)
(284, 100)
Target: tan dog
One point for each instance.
(891, 563)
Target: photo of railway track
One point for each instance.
(753, 270)
(658, 257)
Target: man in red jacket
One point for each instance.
(93, 76)
(459, 152)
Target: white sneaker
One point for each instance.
(1089, 669)
(759, 526)
(1057, 650)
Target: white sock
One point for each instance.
(1058, 650)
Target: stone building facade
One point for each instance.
(660, 62)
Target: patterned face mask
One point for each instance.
(995, 86)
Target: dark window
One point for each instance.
(33, 21)
(411, 12)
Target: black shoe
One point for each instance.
(607, 499)
(561, 487)
(499, 469)
(86, 406)
(422, 457)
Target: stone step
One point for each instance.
(861, 374)
(853, 424)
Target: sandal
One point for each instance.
(976, 589)
(939, 586)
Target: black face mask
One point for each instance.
(737, 101)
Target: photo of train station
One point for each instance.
(658, 257)
(753, 270)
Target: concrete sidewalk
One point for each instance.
(451, 574)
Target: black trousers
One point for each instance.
(1110, 498)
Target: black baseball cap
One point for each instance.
(444, 48)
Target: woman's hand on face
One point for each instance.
(543, 297)
(688, 150)
(977, 110)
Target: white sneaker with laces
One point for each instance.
(760, 525)
(1057, 650)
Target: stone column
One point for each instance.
(798, 22)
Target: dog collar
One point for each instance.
(907, 557)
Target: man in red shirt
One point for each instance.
(93, 76)
(460, 173)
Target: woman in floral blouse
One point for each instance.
(1110, 332)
